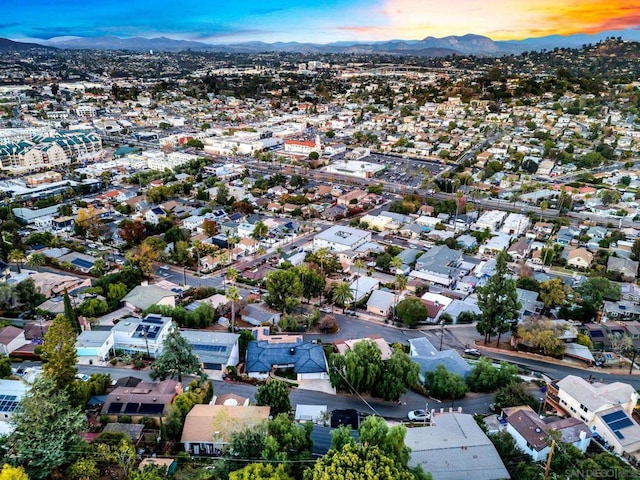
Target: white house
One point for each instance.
(145, 336)
(93, 346)
(215, 350)
(11, 338)
(531, 433)
(11, 392)
(340, 238)
(606, 408)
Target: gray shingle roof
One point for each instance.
(306, 357)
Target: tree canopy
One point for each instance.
(284, 290)
(274, 393)
(498, 301)
(176, 359)
(411, 311)
(59, 352)
(46, 427)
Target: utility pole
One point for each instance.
(548, 466)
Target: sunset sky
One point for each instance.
(226, 21)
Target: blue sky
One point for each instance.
(227, 21)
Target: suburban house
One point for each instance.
(144, 336)
(11, 393)
(363, 286)
(439, 265)
(381, 302)
(579, 258)
(143, 296)
(306, 359)
(626, 267)
(93, 346)
(451, 447)
(11, 338)
(208, 428)
(215, 350)
(422, 352)
(256, 315)
(606, 408)
(531, 433)
(340, 238)
(143, 400)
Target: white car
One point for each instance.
(419, 415)
(474, 352)
(82, 376)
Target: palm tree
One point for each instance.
(260, 230)
(342, 294)
(543, 206)
(359, 264)
(231, 274)
(401, 284)
(17, 256)
(396, 263)
(233, 294)
(36, 260)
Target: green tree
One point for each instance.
(340, 437)
(28, 294)
(313, 282)
(36, 260)
(444, 384)
(374, 431)
(342, 294)
(498, 301)
(552, 292)
(150, 472)
(59, 353)
(222, 194)
(260, 471)
(398, 373)
(93, 307)
(176, 359)
(275, 394)
(514, 394)
(359, 369)
(46, 428)
(357, 462)
(17, 256)
(260, 230)
(117, 292)
(483, 376)
(5, 366)
(326, 260)
(122, 455)
(284, 290)
(233, 295)
(83, 469)
(411, 311)
(70, 313)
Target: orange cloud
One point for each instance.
(506, 19)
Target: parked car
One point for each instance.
(419, 415)
(474, 352)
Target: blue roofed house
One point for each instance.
(439, 265)
(428, 358)
(306, 359)
(11, 393)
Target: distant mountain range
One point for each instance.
(430, 46)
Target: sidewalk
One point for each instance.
(542, 358)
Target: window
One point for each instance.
(583, 408)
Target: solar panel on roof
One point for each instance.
(80, 262)
(131, 408)
(115, 408)
(597, 333)
(620, 424)
(151, 408)
(156, 321)
(619, 435)
(612, 417)
(210, 348)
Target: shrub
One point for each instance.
(104, 419)
(124, 419)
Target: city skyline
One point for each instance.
(227, 21)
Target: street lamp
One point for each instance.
(441, 333)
